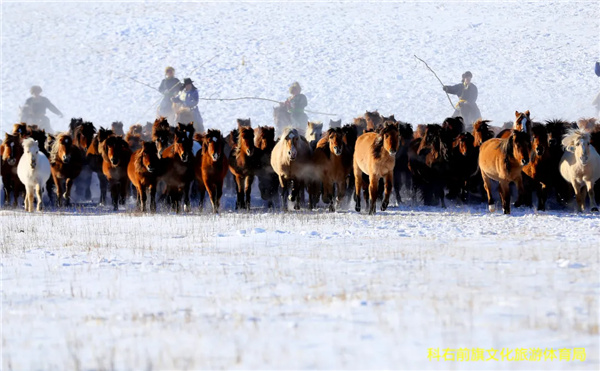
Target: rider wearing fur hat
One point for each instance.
(295, 106)
(169, 87)
(188, 101)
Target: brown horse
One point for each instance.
(268, 184)
(21, 129)
(95, 160)
(115, 159)
(482, 132)
(314, 132)
(134, 140)
(291, 161)
(538, 173)
(117, 128)
(375, 156)
(557, 129)
(464, 166)
(162, 135)
(143, 171)
(374, 120)
(522, 123)
(361, 125)
(335, 124)
(502, 160)
(211, 167)
(66, 162)
(242, 164)
(401, 171)
(11, 150)
(331, 162)
(179, 163)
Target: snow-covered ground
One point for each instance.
(87, 290)
(297, 290)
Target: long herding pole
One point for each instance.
(436, 76)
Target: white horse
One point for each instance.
(580, 166)
(33, 171)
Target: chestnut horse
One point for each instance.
(375, 156)
(66, 162)
(268, 184)
(83, 133)
(11, 150)
(162, 135)
(332, 162)
(361, 125)
(522, 123)
(464, 163)
(291, 161)
(538, 172)
(211, 168)
(374, 120)
(502, 160)
(95, 160)
(482, 132)
(242, 164)
(143, 171)
(115, 159)
(179, 163)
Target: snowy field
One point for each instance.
(100, 290)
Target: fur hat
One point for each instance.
(295, 85)
(467, 74)
(35, 88)
(169, 68)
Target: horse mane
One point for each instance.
(20, 126)
(454, 125)
(538, 130)
(160, 126)
(323, 143)
(378, 143)
(213, 133)
(350, 135)
(267, 133)
(56, 146)
(483, 127)
(28, 143)
(138, 159)
(575, 135)
(243, 132)
(506, 148)
(74, 124)
(588, 124)
(135, 129)
(405, 130)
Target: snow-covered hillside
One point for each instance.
(349, 57)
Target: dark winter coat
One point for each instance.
(169, 90)
(297, 105)
(467, 106)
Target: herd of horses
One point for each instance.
(369, 159)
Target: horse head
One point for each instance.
(31, 149)
(213, 144)
(464, 142)
(290, 142)
(577, 141)
(389, 137)
(335, 124)
(114, 149)
(245, 142)
(481, 132)
(522, 122)
(520, 147)
(264, 138)
(62, 148)
(12, 149)
(244, 123)
(148, 157)
(182, 145)
(335, 137)
(539, 141)
(314, 130)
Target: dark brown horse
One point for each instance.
(117, 128)
(361, 125)
(464, 168)
(82, 133)
(522, 123)
(335, 124)
(557, 129)
(242, 164)
(116, 156)
(162, 134)
(268, 183)
(482, 132)
(374, 120)
(66, 162)
(95, 160)
(538, 172)
(179, 163)
(401, 171)
(502, 160)
(143, 171)
(211, 168)
(11, 151)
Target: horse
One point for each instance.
(502, 160)
(33, 171)
(95, 160)
(522, 123)
(115, 159)
(281, 118)
(143, 171)
(179, 163)
(587, 124)
(162, 135)
(331, 162)
(291, 161)
(482, 132)
(361, 125)
(335, 124)
(401, 169)
(117, 128)
(580, 166)
(314, 132)
(373, 119)
(242, 164)
(66, 162)
(350, 132)
(244, 123)
(211, 168)
(21, 129)
(11, 151)
(464, 163)
(429, 163)
(134, 140)
(268, 184)
(538, 172)
(375, 156)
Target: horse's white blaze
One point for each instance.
(214, 139)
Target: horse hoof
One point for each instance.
(384, 206)
(492, 208)
(594, 209)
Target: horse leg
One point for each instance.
(59, 193)
(542, 195)
(248, 189)
(487, 185)
(124, 183)
(580, 197)
(67, 195)
(114, 194)
(389, 180)
(218, 194)
(202, 194)
(38, 193)
(505, 196)
(592, 194)
(29, 196)
(284, 192)
(143, 198)
(152, 188)
(521, 196)
(211, 195)
(397, 183)
(357, 187)
(327, 196)
(373, 193)
(103, 188)
(340, 193)
(239, 189)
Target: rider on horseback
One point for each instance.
(168, 88)
(34, 110)
(295, 106)
(188, 109)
